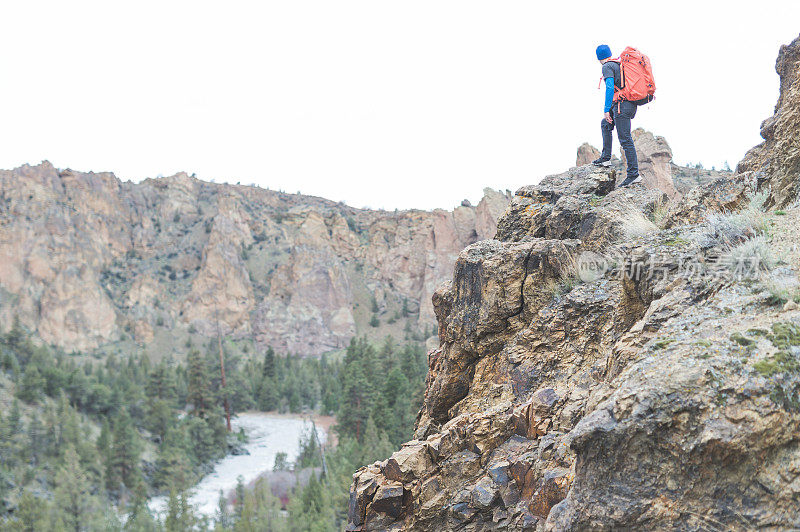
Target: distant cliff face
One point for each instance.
(90, 262)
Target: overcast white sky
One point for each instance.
(414, 103)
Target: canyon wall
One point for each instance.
(89, 262)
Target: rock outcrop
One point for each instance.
(89, 262)
(655, 165)
(655, 161)
(776, 161)
(586, 154)
(597, 373)
(724, 194)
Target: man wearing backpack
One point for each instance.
(629, 83)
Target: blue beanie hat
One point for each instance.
(603, 52)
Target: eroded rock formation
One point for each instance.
(776, 161)
(90, 262)
(655, 161)
(586, 154)
(595, 372)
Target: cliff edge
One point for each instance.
(604, 364)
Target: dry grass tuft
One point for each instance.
(660, 212)
(731, 229)
(750, 258)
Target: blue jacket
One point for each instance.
(609, 94)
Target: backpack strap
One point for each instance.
(602, 79)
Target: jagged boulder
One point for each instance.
(496, 287)
(614, 403)
(776, 161)
(579, 204)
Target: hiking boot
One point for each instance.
(631, 181)
(602, 162)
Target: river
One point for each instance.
(268, 435)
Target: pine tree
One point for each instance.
(356, 403)
(72, 492)
(103, 444)
(268, 371)
(312, 495)
(180, 517)
(173, 468)
(281, 462)
(198, 389)
(14, 419)
(161, 384)
(32, 385)
(124, 459)
(32, 514)
(38, 439)
(160, 417)
(206, 443)
(222, 517)
(376, 444)
(387, 354)
(238, 504)
(139, 517)
(262, 511)
(268, 398)
(15, 335)
(310, 453)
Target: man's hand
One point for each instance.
(608, 118)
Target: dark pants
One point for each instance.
(621, 114)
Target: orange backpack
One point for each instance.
(636, 73)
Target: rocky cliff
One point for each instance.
(776, 161)
(90, 262)
(604, 366)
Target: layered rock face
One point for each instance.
(596, 372)
(776, 161)
(90, 262)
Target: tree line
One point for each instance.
(83, 445)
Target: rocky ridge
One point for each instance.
(89, 262)
(606, 365)
(776, 161)
(656, 166)
(587, 378)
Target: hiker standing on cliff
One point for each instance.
(624, 92)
